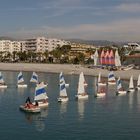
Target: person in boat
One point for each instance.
(28, 100)
(36, 103)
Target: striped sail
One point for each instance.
(81, 87)
(34, 78)
(62, 87)
(111, 76)
(40, 92)
(20, 78)
(119, 84)
(1, 79)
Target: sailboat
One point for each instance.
(100, 83)
(120, 90)
(62, 85)
(81, 88)
(100, 92)
(34, 78)
(131, 85)
(2, 83)
(138, 83)
(41, 96)
(20, 81)
(111, 78)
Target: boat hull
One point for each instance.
(21, 86)
(66, 85)
(61, 99)
(100, 95)
(80, 96)
(101, 84)
(120, 93)
(42, 104)
(131, 90)
(3, 86)
(112, 83)
(30, 110)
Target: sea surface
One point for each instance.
(109, 118)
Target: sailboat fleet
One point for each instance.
(40, 94)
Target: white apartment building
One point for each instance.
(9, 46)
(41, 44)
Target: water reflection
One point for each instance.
(81, 108)
(63, 107)
(37, 119)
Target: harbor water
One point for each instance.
(110, 118)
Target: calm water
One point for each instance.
(111, 118)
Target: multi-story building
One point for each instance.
(41, 44)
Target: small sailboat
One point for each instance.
(131, 85)
(20, 81)
(2, 83)
(81, 88)
(34, 78)
(100, 83)
(120, 90)
(111, 78)
(41, 96)
(100, 92)
(62, 85)
(138, 83)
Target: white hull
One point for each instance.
(63, 99)
(122, 92)
(66, 85)
(42, 104)
(138, 88)
(101, 84)
(85, 84)
(100, 94)
(131, 90)
(30, 110)
(21, 86)
(81, 96)
(111, 82)
(3, 86)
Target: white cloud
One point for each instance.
(124, 30)
(131, 7)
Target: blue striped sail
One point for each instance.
(119, 84)
(62, 86)
(34, 78)
(1, 78)
(20, 78)
(111, 76)
(40, 92)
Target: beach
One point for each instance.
(66, 69)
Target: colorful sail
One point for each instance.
(111, 58)
(119, 84)
(40, 92)
(34, 78)
(102, 58)
(107, 58)
(111, 76)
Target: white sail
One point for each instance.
(62, 83)
(119, 84)
(20, 78)
(40, 92)
(81, 87)
(131, 84)
(138, 82)
(1, 79)
(34, 78)
(96, 56)
(99, 77)
(117, 59)
(111, 76)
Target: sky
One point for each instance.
(113, 20)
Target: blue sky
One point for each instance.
(114, 20)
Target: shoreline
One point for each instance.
(66, 69)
